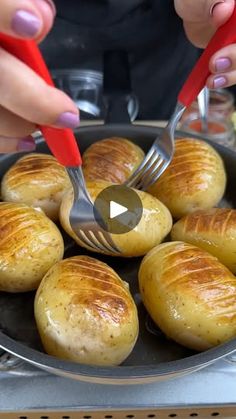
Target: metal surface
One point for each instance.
(159, 156)
(203, 105)
(82, 219)
(154, 358)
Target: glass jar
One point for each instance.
(220, 130)
(221, 103)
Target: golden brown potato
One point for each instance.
(112, 159)
(30, 244)
(155, 224)
(194, 180)
(213, 230)
(85, 313)
(37, 180)
(189, 294)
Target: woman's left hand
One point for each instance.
(201, 18)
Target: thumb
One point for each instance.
(221, 12)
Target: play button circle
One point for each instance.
(118, 209)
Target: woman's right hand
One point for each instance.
(25, 99)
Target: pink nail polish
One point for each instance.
(220, 81)
(68, 120)
(26, 144)
(25, 23)
(222, 64)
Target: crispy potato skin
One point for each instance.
(112, 159)
(194, 180)
(189, 294)
(37, 180)
(213, 230)
(138, 241)
(30, 244)
(85, 313)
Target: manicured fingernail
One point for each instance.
(222, 64)
(214, 5)
(25, 23)
(219, 82)
(68, 120)
(26, 144)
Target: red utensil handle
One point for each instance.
(224, 36)
(61, 142)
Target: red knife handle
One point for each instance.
(61, 142)
(223, 37)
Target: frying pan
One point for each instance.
(154, 357)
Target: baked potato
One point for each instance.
(189, 294)
(30, 244)
(155, 224)
(194, 180)
(37, 180)
(112, 159)
(213, 230)
(85, 313)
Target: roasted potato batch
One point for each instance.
(85, 313)
(37, 180)
(30, 244)
(213, 230)
(194, 180)
(142, 238)
(112, 159)
(189, 294)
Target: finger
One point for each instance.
(12, 125)
(14, 145)
(26, 18)
(24, 93)
(223, 60)
(222, 80)
(221, 11)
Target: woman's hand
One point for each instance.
(25, 99)
(201, 18)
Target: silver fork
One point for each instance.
(63, 146)
(162, 150)
(82, 216)
(203, 105)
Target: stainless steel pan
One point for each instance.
(154, 357)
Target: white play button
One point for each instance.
(116, 209)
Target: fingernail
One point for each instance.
(219, 82)
(214, 5)
(68, 120)
(223, 64)
(25, 23)
(52, 5)
(26, 144)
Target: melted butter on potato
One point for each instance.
(30, 244)
(85, 313)
(194, 180)
(155, 224)
(213, 230)
(189, 294)
(112, 159)
(37, 180)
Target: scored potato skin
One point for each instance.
(30, 244)
(112, 159)
(36, 180)
(85, 313)
(194, 180)
(189, 294)
(213, 230)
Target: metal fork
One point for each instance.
(203, 105)
(162, 150)
(63, 146)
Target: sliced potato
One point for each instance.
(112, 159)
(189, 294)
(30, 244)
(85, 313)
(194, 180)
(155, 224)
(37, 180)
(213, 230)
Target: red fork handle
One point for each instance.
(223, 37)
(61, 142)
